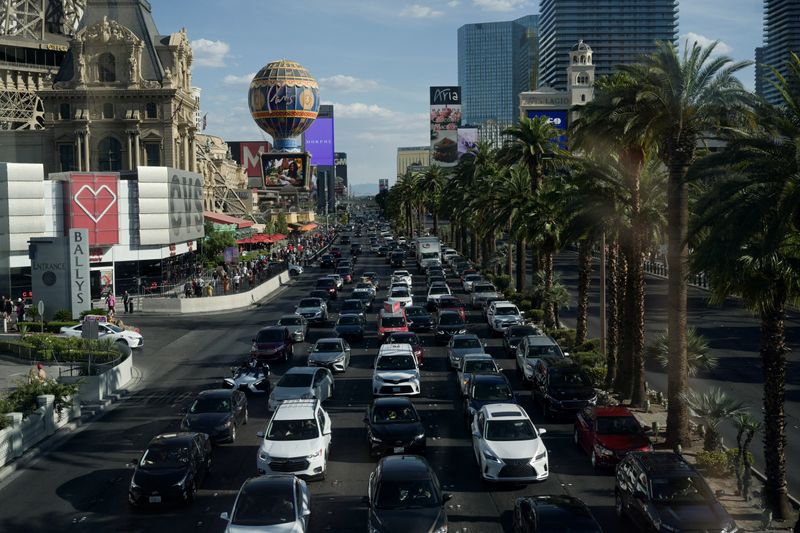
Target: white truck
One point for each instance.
(429, 250)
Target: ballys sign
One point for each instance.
(185, 206)
(94, 206)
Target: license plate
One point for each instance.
(155, 499)
(396, 389)
(399, 450)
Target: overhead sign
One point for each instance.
(80, 293)
(93, 205)
(170, 205)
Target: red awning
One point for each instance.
(308, 227)
(222, 218)
(262, 238)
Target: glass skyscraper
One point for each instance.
(496, 61)
(781, 36)
(618, 31)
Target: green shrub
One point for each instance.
(715, 464)
(502, 282)
(731, 454)
(62, 315)
(537, 315)
(565, 337)
(23, 398)
(588, 359)
(524, 305)
(94, 311)
(597, 374)
(590, 345)
(49, 327)
(515, 297)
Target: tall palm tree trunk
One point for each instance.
(677, 293)
(612, 324)
(584, 276)
(509, 257)
(435, 223)
(550, 308)
(773, 356)
(463, 231)
(520, 282)
(473, 245)
(622, 377)
(410, 220)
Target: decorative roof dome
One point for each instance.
(581, 47)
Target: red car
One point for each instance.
(451, 303)
(467, 272)
(336, 252)
(403, 337)
(272, 343)
(607, 434)
(328, 284)
(391, 322)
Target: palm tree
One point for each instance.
(698, 353)
(677, 101)
(534, 144)
(746, 428)
(748, 243)
(435, 179)
(712, 407)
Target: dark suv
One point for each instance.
(662, 492)
(561, 387)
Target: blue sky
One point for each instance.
(375, 59)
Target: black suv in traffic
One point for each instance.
(561, 387)
(662, 492)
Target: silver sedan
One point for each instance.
(297, 326)
(332, 353)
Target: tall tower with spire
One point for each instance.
(580, 74)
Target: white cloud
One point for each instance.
(347, 84)
(500, 5)
(702, 40)
(210, 53)
(420, 12)
(244, 79)
(453, 3)
(360, 110)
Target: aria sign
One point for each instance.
(94, 206)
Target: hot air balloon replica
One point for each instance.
(284, 101)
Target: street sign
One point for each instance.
(40, 307)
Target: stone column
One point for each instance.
(49, 416)
(86, 160)
(79, 149)
(130, 149)
(137, 148)
(185, 139)
(15, 434)
(192, 154)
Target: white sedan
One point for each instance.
(402, 295)
(106, 331)
(507, 445)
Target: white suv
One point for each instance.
(507, 445)
(502, 314)
(296, 440)
(402, 276)
(396, 371)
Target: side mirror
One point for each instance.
(446, 497)
(500, 368)
(224, 516)
(260, 434)
(542, 431)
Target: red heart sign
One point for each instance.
(95, 202)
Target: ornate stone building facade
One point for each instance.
(123, 95)
(225, 181)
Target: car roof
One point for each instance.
(475, 356)
(393, 401)
(331, 339)
(404, 467)
(396, 348)
(290, 315)
(301, 370)
(216, 393)
(497, 303)
(489, 378)
(504, 410)
(271, 328)
(604, 411)
(559, 505)
(311, 298)
(449, 312)
(462, 336)
(295, 409)
(664, 463)
(541, 340)
(353, 301)
(268, 483)
(415, 307)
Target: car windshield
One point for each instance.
(542, 350)
(521, 331)
(115, 329)
(492, 391)
(393, 414)
(679, 489)
(392, 321)
(569, 378)
(439, 290)
(325, 283)
(519, 429)
(308, 302)
(472, 277)
(410, 494)
(395, 362)
(415, 311)
(270, 335)
(165, 456)
(617, 425)
(290, 321)
(399, 292)
(470, 342)
(328, 346)
(506, 311)
(295, 380)
(363, 286)
(343, 271)
(349, 320)
(450, 319)
(404, 338)
(210, 405)
(293, 430)
(483, 365)
(357, 306)
(450, 302)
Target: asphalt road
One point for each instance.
(82, 486)
(732, 333)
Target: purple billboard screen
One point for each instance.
(319, 142)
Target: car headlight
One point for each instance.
(180, 483)
(379, 378)
(315, 454)
(339, 359)
(462, 331)
(441, 529)
(420, 436)
(264, 456)
(490, 457)
(373, 438)
(541, 456)
(223, 426)
(602, 450)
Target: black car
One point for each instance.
(350, 326)
(485, 389)
(419, 319)
(355, 248)
(217, 412)
(394, 426)
(382, 251)
(328, 284)
(327, 261)
(662, 492)
(398, 259)
(553, 514)
(448, 323)
(366, 299)
(344, 239)
(352, 306)
(561, 387)
(321, 293)
(405, 495)
(170, 469)
(513, 334)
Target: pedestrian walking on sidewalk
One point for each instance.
(20, 310)
(111, 302)
(37, 373)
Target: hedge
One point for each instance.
(46, 347)
(49, 327)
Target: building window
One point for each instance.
(107, 68)
(66, 157)
(151, 110)
(109, 155)
(65, 111)
(108, 110)
(152, 154)
(583, 98)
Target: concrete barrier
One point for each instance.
(210, 304)
(95, 389)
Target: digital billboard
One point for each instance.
(93, 206)
(286, 171)
(467, 140)
(170, 205)
(445, 118)
(556, 118)
(319, 142)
